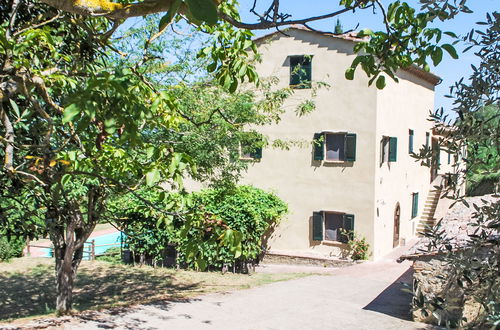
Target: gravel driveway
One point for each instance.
(365, 296)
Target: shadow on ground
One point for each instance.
(393, 300)
(33, 292)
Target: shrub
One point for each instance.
(482, 184)
(358, 247)
(244, 212)
(217, 228)
(147, 235)
(9, 249)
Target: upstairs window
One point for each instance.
(300, 71)
(388, 149)
(335, 147)
(251, 148)
(250, 152)
(410, 141)
(331, 226)
(427, 138)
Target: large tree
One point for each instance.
(77, 124)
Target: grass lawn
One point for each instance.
(27, 285)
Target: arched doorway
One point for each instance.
(397, 212)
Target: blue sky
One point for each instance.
(449, 70)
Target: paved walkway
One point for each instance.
(365, 296)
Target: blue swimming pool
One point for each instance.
(112, 238)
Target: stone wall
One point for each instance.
(438, 298)
(430, 280)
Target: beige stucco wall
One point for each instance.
(400, 107)
(307, 185)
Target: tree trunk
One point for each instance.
(68, 259)
(69, 236)
(65, 278)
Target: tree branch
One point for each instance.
(265, 24)
(9, 137)
(117, 11)
(111, 10)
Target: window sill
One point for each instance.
(245, 159)
(333, 243)
(335, 161)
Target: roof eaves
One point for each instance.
(351, 36)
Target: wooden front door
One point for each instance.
(397, 212)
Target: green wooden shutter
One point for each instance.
(257, 154)
(393, 149)
(449, 158)
(410, 142)
(414, 205)
(350, 147)
(319, 146)
(317, 226)
(348, 225)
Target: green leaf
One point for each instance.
(70, 112)
(349, 74)
(451, 50)
(201, 263)
(234, 86)
(380, 82)
(15, 108)
(437, 56)
(152, 177)
(365, 32)
(150, 152)
(204, 10)
(451, 34)
(212, 66)
(169, 16)
(110, 125)
(65, 179)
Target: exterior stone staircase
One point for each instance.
(427, 219)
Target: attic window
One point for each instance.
(300, 71)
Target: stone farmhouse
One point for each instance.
(358, 174)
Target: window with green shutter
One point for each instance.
(251, 149)
(317, 226)
(393, 149)
(334, 147)
(410, 141)
(331, 225)
(414, 205)
(300, 71)
(388, 149)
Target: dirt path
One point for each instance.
(365, 296)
